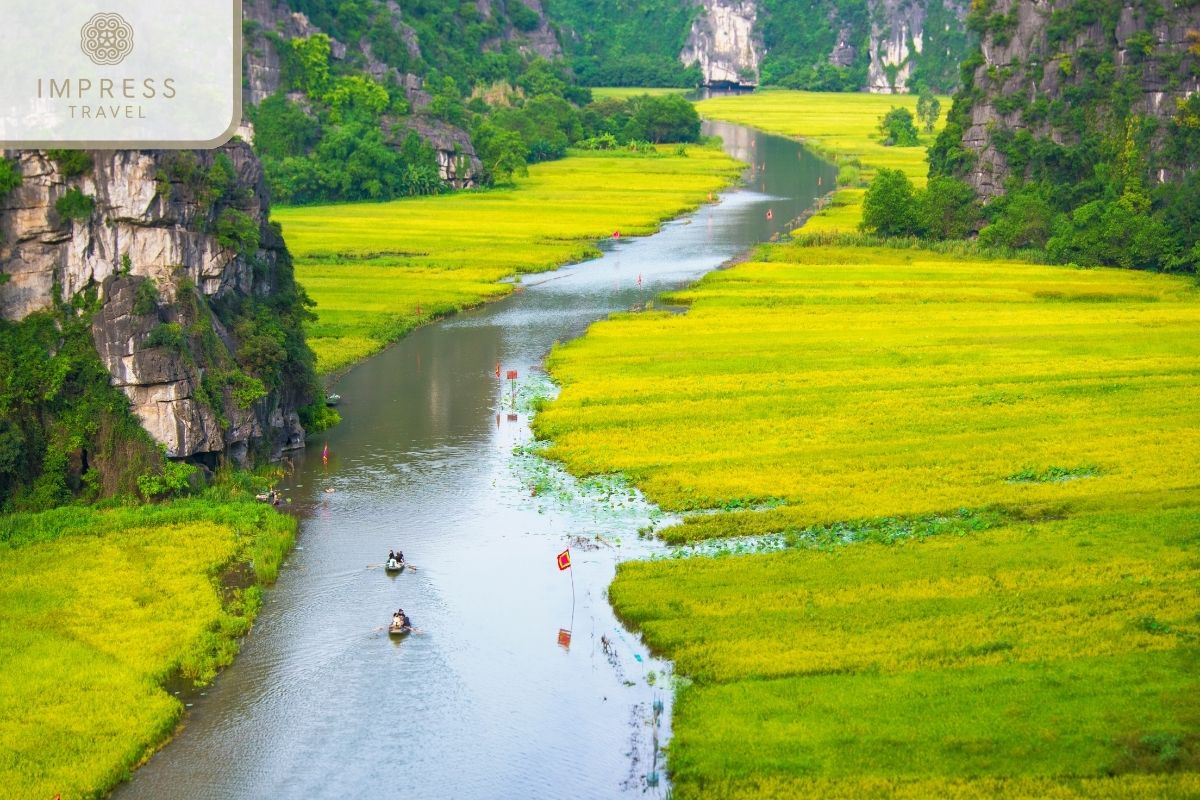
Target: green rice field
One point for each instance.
(377, 270)
(985, 473)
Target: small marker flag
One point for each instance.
(564, 638)
(564, 560)
(511, 375)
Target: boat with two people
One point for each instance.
(395, 561)
(401, 624)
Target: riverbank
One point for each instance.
(100, 610)
(843, 128)
(378, 270)
(984, 473)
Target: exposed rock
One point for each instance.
(844, 52)
(897, 37)
(143, 230)
(458, 164)
(725, 43)
(542, 40)
(1020, 64)
(263, 66)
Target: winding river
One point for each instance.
(491, 698)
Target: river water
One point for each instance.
(488, 699)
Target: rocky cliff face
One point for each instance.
(189, 277)
(914, 41)
(897, 37)
(725, 43)
(1050, 69)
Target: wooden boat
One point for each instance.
(394, 566)
(399, 630)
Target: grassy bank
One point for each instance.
(379, 270)
(98, 608)
(1013, 448)
(842, 127)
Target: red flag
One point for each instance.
(564, 560)
(497, 369)
(511, 374)
(564, 638)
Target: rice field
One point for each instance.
(98, 609)
(626, 92)
(377, 270)
(987, 473)
(842, 127)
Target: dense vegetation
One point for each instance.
(1083, 169)
(65, 431)
(619, 43)
(98, 608)
(376, 271)
(340, 136)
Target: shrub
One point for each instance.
(10, 176)
(174, 480)
(889, 208)
(145, 298)
(237, 230)
(898, 129)
(169, 335)
(71, 163)
(848, 175)
(75, 205)
(947, 209)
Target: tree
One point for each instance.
(947, 209)
(929, 108)
(889, 208)
(503, 152)
(669, 118)
(898, 129)
(308, 65)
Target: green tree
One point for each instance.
(898, 129)
(889, 207)
(1022, 219)
(669, 118)
(308, 65)
(929, 108)
(947, 209)
(504, 153)
(10, 176)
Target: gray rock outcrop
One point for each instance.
(725, 43)
(1020, 65)
(148, 230)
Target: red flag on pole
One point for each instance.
(564, 638)
(564, 560)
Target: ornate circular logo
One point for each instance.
(106, 39)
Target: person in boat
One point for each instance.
(398, 619)
(391, 557)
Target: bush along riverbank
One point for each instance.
(100, 609)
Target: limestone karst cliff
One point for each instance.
(1053, 80)
(189, 291)
(725, 43)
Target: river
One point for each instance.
(489, 699)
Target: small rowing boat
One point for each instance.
(394, 566)
(399, 630)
